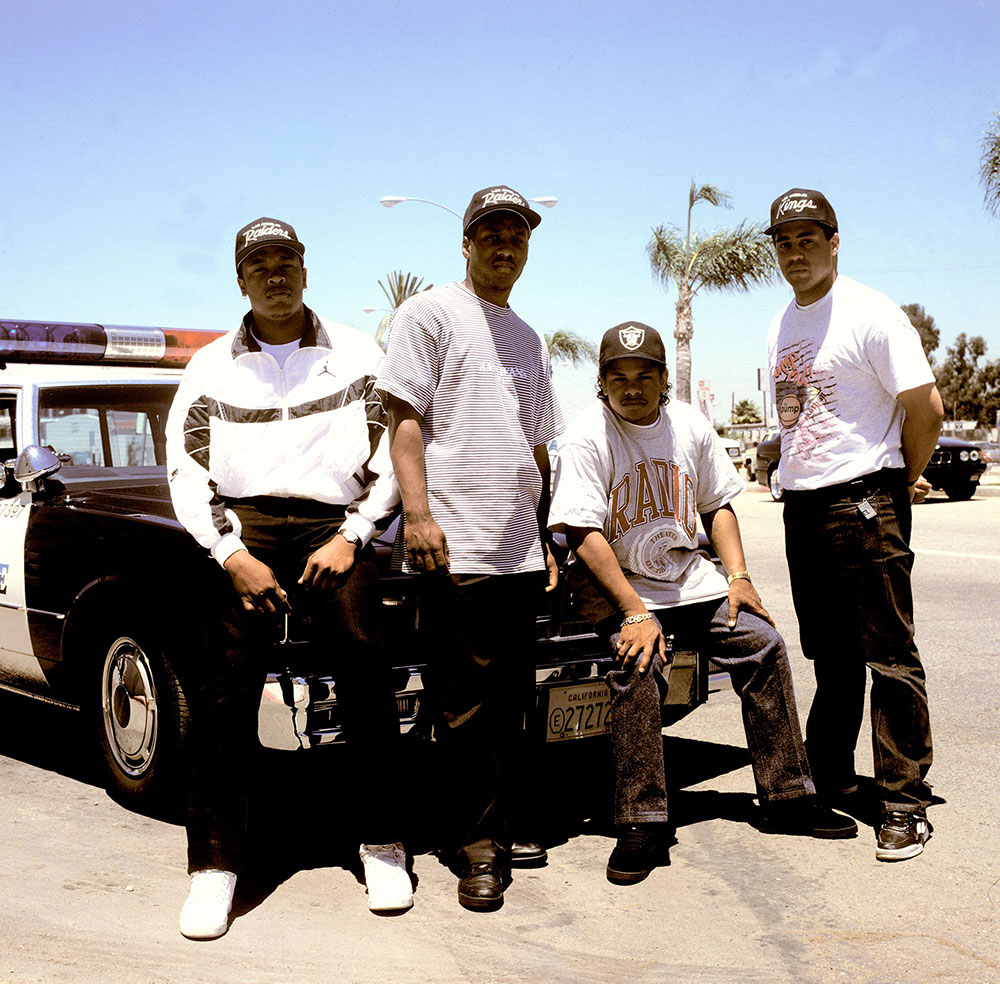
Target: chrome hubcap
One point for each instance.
(128, 703)
(775, 487)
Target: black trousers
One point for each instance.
(850, 578)
(228, 684)
(481, 675)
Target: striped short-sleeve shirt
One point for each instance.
(480, 378)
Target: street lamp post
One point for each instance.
(549, 201)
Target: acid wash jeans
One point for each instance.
(754, 655)
(850, 578)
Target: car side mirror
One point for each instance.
(33, 465)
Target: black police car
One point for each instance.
(95, 571)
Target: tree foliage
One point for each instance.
(746, 412)
(735, 260)
(970, 390)
(568, 346)
(989, 165)
(398, 287)
(930, 337)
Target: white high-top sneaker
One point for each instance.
(389, 885)
(205, 914)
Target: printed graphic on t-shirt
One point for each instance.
(650, 495)
(805, 398)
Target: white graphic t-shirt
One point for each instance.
(644, 488)
(836, 367)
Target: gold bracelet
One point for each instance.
(635, 619)
(739, 576)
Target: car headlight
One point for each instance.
(963, 455)
(973, 456)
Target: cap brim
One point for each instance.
(294, 245)
(769, 231)
(530, 217)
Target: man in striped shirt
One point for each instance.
(471, 410)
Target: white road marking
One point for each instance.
(956, 553)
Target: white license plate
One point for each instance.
(578, 710)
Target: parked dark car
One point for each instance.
(766, 463)
(955, 468)
(95, 567)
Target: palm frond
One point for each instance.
(667, 254)
(734, 260)
(570, 347)
(710, 193)
(401, 286)
(989, 166)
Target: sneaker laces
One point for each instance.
(211, 886)
(391, 854)
(633, 839)
(898, 820)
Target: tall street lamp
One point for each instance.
(549, 201)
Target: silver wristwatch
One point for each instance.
(350, 536)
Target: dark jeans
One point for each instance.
(851, 587)
(754, 654)
(231, 676)
(481, 677)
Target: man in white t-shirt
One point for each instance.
(471, 410)
(860, 417)
(633, 474)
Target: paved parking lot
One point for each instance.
(92, 890)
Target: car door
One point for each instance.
(16, 661)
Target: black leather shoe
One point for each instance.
(527, 854)
(481, 886)
(805, 818)
(638, 851)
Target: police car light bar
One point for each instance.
(119, 345)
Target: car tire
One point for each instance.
(777, 492)
(960, 491)
(142, 719)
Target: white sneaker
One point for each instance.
(389, 885)
(205, 914)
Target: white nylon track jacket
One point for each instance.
(242, 426)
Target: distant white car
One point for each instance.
(736, 454)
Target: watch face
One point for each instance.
(350, 537)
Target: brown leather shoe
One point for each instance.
(527, 854)
(481, 885)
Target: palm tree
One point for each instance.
(727, 259)
(401, 286)
(746, 412)
(989, 165)
(568, 346)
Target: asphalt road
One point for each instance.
(91, 891)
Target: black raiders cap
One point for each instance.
(265, 232)
(496, 199)
(632, 340)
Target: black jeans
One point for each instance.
(481, 679)
(231, 676)
(754, 655)
(850, 580)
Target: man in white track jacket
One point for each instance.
(278, 465)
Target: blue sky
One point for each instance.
(138, 137)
